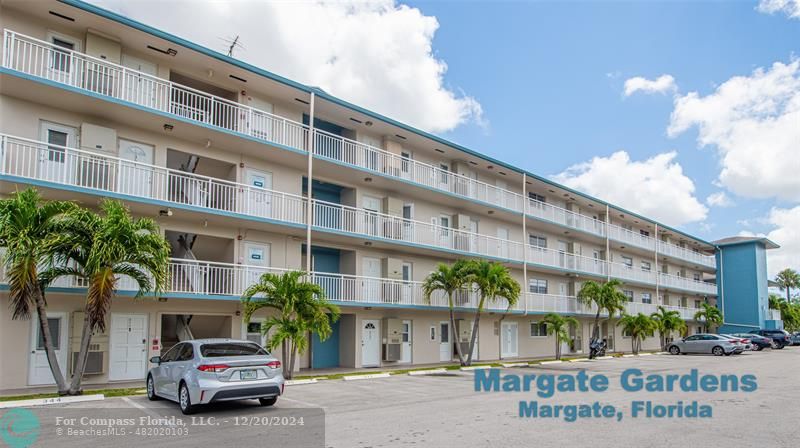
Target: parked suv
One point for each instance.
(780, 338)
(795, 338)
(759, 342)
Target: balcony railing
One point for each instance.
(564, 217)
(675, 281)
(204, 278)
(73, 167)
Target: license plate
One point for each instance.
(248, 374)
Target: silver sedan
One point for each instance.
(705, 343)
(211, 370)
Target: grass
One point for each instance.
(107, 392)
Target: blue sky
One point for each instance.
(550, 77)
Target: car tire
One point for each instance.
(674, 350)
(780, 346)
(185, 400)
(759, 348)
(268, 401)
(151, 389)
(717, 351)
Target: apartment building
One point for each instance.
(247, 172)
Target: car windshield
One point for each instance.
(220, 349)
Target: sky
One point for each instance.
(686, 112)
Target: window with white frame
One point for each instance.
(644, 233)
(647, 298)
(646, 266)
(628, 262)
(538, 329)
(537, 241)
(626, 333)
(629, 294)
(696, 277)
(537, 286)
(536, 197)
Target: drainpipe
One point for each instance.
(524, 243)
(608, 245)
(309, 188)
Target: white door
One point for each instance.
(406, 164)
(445, 347)
(371, 206)
(54, 163)
(371, 270)
(370, 152)
(38, 368)
(502, 186)
(509, 341)
(257, 201)
(63, 66)
(408, 288)
(502, 242)
(260, 122)
(405, 350)
(257, 259)
(444, 234)
(444, 176)
(562, 253)
(408, 225)
(135, 168)
(473, 238)
(252, 331)
(128, 357)
(140, 82)
(370, 343)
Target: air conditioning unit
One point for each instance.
(392, 339)
(98, 347)
(98, 138)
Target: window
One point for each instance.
(628, 262)
(187, 353)
(644, 233)
(61, 60)
(694, 337)
(629, 294)
(697, 304)
(536, 197)
(55, 334)
(647, 298)
(405, 161)
(537, 241)
(222, 349)
(172, 353)
(444, 176)
(646, 266)
(538, 329)
(696, 277)
(537, 286)
(432, 334)
(626, 333)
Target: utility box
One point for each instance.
(392, 339)
(98, 348)
(98, 138)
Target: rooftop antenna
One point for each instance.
(233, 44)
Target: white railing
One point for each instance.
(676, 281)
(566, 261)
(68, 166)
(683, 253)
(624, 235)
(564, 217)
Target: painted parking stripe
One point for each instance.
(365, 377)
(51, 401)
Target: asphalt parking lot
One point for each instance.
(445, 411)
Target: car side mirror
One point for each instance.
(155, 360)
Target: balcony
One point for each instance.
(29, 159)
(44, 60)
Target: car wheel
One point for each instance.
(717, 351)
(268, 401)
(674, 350)
(151, 389)
(759, 348)
(780, 346)
(185, 400)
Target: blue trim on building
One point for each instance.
(322, 94)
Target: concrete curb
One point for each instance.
(544, 363)
(52, 400)
(365, 377)
(471, 368)
(645, 354)
(606, 357)
(514, 364)
(579, 360)
(628, 356)
(299, 382)
(427, 372)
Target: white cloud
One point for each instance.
(662, 84)
(785, 223)
(655, 187)
(754, 122)
(719, 199)
(789, 7)
(377, 54)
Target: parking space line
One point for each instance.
(304, 403)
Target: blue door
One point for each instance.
(325, 353)
(326, 261)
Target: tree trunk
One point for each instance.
(558, 347)
(454, 332)
(596, 330)
(285, 358)
(292, 355)
(44, 328)
(83, 354)
(472, 338)
(633, 344)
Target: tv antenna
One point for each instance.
(233, 44)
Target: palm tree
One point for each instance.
(775, 301)
(559, 326)
(102, 250)
(493, 281)
(639, 327)
(667, 321)
(448, 279)
(26, 224)
(605, 297)
(301, 309)
(709, 315)
(786, 280)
